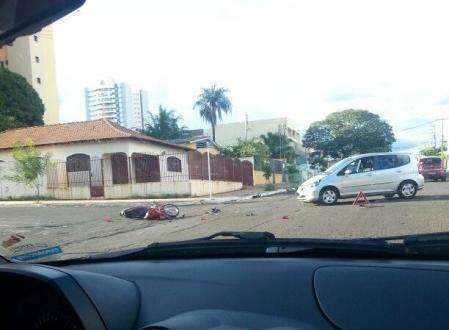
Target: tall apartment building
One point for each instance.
(117, 102)
(139, 116)
(33, 58)
(103, 101)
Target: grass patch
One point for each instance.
(28, 198)
(269, 187)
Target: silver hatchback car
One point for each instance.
(375, 174)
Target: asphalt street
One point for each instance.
(81, 230)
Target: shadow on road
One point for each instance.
(424, 198)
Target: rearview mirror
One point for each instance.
(25, 17)
(348, 171)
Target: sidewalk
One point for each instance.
(219, 199)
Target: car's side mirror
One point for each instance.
(348, 171)
(25, 17)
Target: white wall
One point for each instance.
(150, 189)
(172, 183)
(12, 189)
(201, 187)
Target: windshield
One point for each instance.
(431, 161)
(127, 123)
(336, 166)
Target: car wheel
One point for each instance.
(407, 190)
(329, 196)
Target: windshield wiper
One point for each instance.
(429, 244)
(434, 244)
(243, 235)
(265, 244)
(252, 244)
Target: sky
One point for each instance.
(289, 58)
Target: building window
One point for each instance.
(174, 164)
(36, 38)
(38, 80)
(37, 59)
(6, 62)
(119, 164)
(78, 163)
(78, 171)
(2, 65)
(146, 168)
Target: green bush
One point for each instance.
(267, 170)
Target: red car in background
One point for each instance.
(432, 168)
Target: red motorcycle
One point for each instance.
(152, 212)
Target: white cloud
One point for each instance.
(278, 58)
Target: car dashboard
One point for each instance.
(228, 293)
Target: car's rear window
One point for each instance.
(402, 160)
(430, 161)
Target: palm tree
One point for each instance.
(212, 103)
(278, 146)
(164, 125)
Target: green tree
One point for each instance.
(319, 163)
(20, 105)
(29, 165)
(267, 170)
(279, 146)
(164, 125)
(431, 151)
(247, 148)
(348, 132)
(212, 103)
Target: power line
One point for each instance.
(417, 126)
(423, 124)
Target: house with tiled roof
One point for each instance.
(101, 159)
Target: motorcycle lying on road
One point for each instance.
(151, 212)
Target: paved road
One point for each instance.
(88, 229)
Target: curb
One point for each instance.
(109, 202)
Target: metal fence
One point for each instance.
(118, 168)
(221, 168)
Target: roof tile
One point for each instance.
(101, 129)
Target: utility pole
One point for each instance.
(280, 141)
(246, 126)
(442, 134)
(434, 136)
(208, 170)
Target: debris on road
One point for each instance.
(250, 214)
(285, 217)
(12, 240)
(270, 193)
(215, 210)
